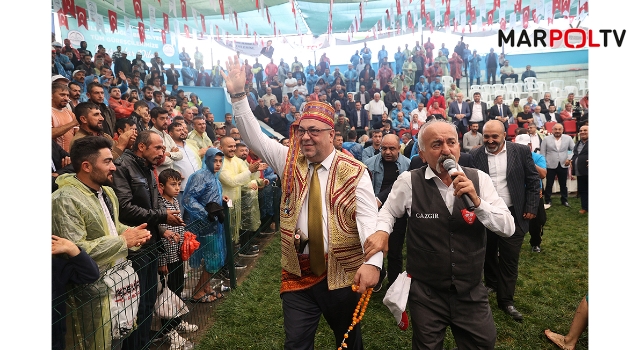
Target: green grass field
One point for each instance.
(550, 286)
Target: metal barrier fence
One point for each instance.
(102, 315)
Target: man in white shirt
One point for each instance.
(302, 89)
(269, 96)
(479, 111)
(192, 160)
(289, 84)
(318, 168)
(442, 238)
(538, 118)
(160, 121)
(376, 108)
(421, 111)
(555, 150)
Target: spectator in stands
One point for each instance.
(385, 74)
(528, 73)
(401, 84)
(192, 160)
(140, 65)
(75, 92)
(376, 108)
(409, 104)
(140, 205)
(352, 144)
(400, 122)
(419, 59)
(545, 103)
(63, 121)
(283, 70)
(189, 75)
(123, 65)
(269, 96)
(409, 69)
(443, 61)
(453, 88)
(531, 103)
(169, 262)
(567, 113)
(507, 72)
(421, 111)
(555, 150)
(516, 108)
(374, 89)
(459, 112)
(141, 115)
(479, 111)
(500, 112)
(584, 102)
(407, 144)
(491, 63)
(68, 48)
(552, 115)
(399, 59)
(435, 110)
(342, 123)
(85, 210)
(580, 166)
(456, 67)
(524, 117)
(87, 66)
(160, 122)
(437, 97)
(432, 72)
(362, 95)
(199, 134)
(538, 118)
(121, 108)
(95, 92)
(359, 118)
(474, 68)
(472, 139)
(261, 111)
(367, 75)
(216, 75)
(91, 124)
(233, 176)
(376, 138)
(422, 90)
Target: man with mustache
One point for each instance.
(445, 241)
(516, 179)
(140, 203)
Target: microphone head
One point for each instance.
(449, 164)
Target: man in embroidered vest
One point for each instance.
(445, 242)
(327, 198)
(518, 184)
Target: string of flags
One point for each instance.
(399, 18)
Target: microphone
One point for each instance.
(450, 166)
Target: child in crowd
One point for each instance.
(69, 264)
(169, 263)
(203, 202)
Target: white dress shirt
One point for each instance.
(498, 173)
(422, 115)
(492, 212)
(275, 154)
(375, 108)
(476, 112)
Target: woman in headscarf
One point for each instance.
(202, 202)
(367, 75)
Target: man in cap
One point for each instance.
(62, 58)
(314, 283)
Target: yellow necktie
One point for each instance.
(314, 218)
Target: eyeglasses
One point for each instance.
(312, 132)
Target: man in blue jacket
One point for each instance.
(385, 167)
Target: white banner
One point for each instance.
(245, 48)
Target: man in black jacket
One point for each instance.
(520, 190)
(140, 202)
(262, 111)
(95, 92)
(580, 166)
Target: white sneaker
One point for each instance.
(185, 327)
(176, 341)
(547, 206)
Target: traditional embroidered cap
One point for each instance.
(320, 111)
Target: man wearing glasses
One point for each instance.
(322, 189)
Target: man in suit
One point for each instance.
(517, 182)
(479, 111)
(500, 112)
(552, 115)
(556, 151)
(408, 144)
(545, 103)
(363, 96)
(359, 119)
(459, 112)
(580, 166)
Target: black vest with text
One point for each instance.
(443, 250)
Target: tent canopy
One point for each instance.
(311, 16)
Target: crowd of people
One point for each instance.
(130, 171)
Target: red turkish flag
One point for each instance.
(165, 22)
(409, 20)
(490, 17)
(137, 9)
(468, 7)
(164, 37)
(455, 25)
(423, 9)
(448, 6)
(584, 7)
(221, 3)
(113, 21)
(217, 33)
(141, 32)
(204, 25)
(186, 31)
(566, 6)
(534, 16)
(268, 16)
(428, 21)
(69, 7)
(81, 16)
(62, 18)
(235, 15)
(183, 9)
(555, 6)
(503, 24)
(446, 20)
(398, 7)
(496, 4)
(274, 28)
(255, 37)
(517, 7)
(525, 17)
